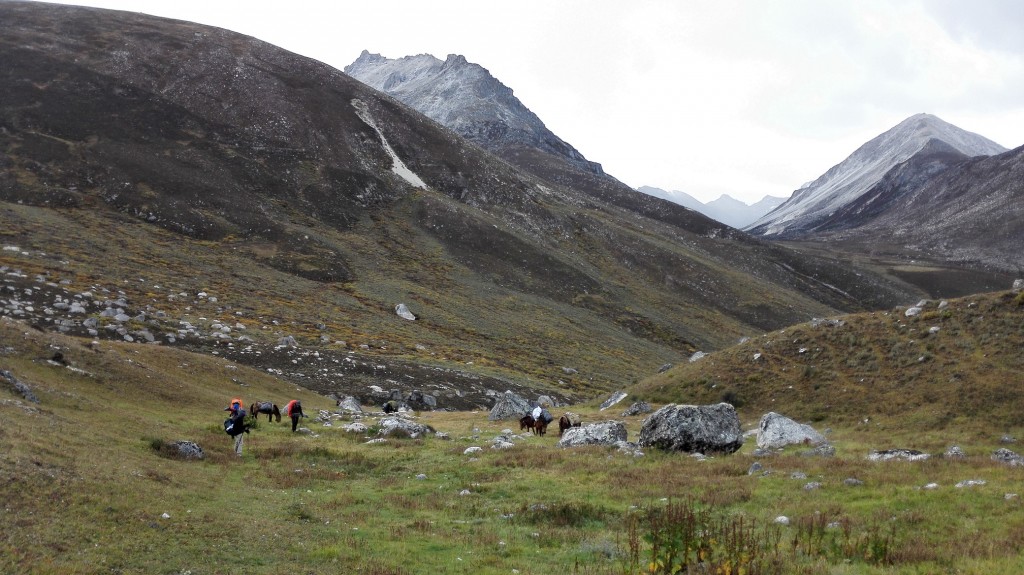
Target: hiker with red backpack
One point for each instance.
(294, 411)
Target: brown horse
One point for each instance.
(265, 407)
(527, 422)
(540, 427)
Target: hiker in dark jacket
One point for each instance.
(235, 424)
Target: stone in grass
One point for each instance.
(1008, 457)
(897, 454)
(954, 452)
(185, 450)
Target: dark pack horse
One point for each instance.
(537, 426)
(265, 407)
(527, 422)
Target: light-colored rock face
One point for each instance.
(693, 429)
(776, 431)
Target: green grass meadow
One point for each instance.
(88, 486)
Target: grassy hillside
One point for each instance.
(954, 367)
(88, 487)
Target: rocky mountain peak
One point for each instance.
(455, 60)
(466, 98)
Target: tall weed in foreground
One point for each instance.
(683, 538)
(836, 541)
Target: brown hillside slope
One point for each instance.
(949, 365)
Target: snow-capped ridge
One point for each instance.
(845, 182)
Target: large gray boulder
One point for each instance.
(602, 433)
(693, 429)
(401, 427)
(509, 406)
(776, 431)
(350, 404)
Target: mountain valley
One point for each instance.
(212, 162)
(190, 215)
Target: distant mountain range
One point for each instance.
(924, 187)
(725, 209)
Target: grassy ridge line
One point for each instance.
(957, 368)
(84, 491)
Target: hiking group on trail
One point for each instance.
(236, 426)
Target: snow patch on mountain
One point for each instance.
(397, 165)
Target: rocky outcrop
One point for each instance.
(18, 386)
(693, 429)
(350, 404)
(776, 431)
(509, 406)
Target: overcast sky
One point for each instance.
(743, 97)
